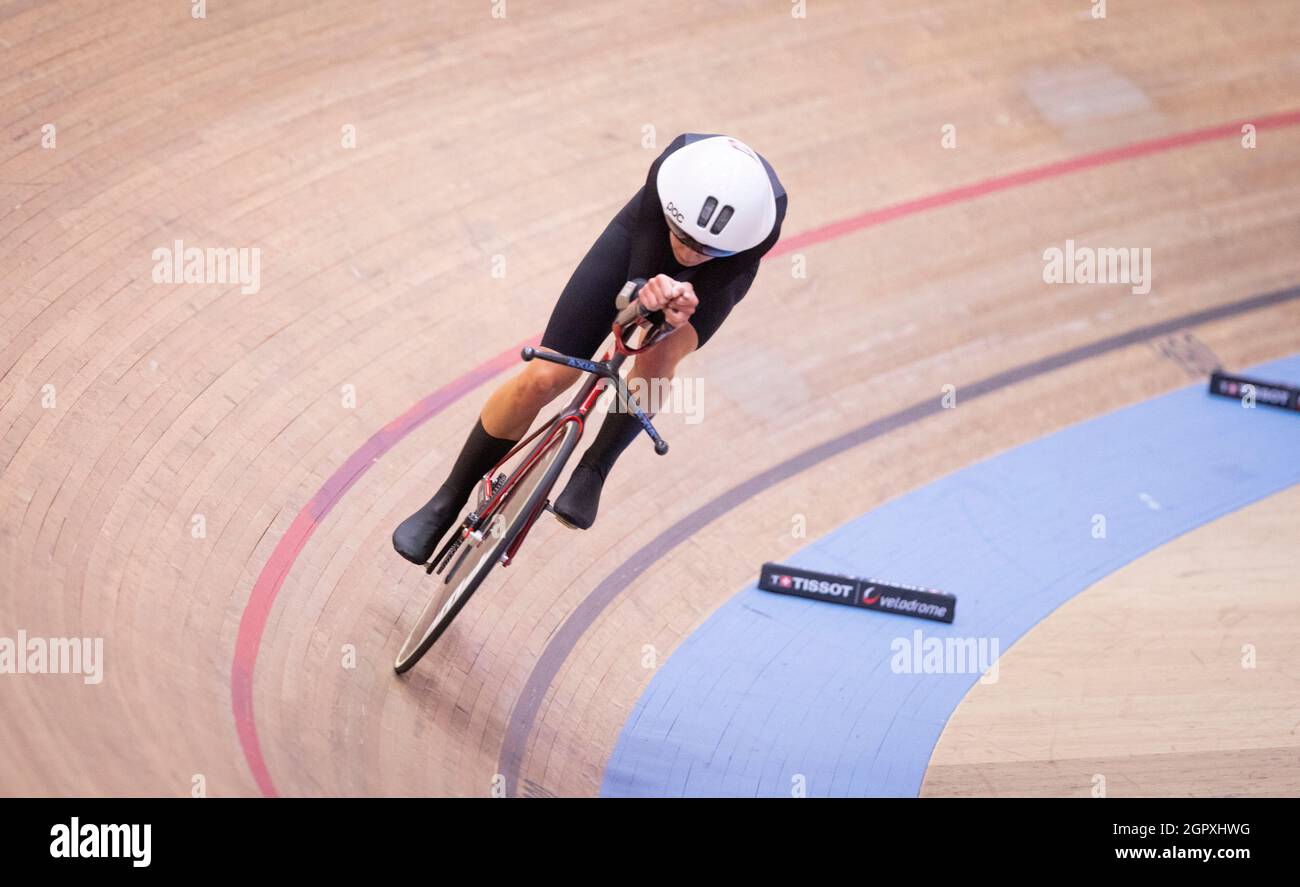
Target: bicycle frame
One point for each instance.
(602, 374)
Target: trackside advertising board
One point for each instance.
(852, 591)
(1255, 391)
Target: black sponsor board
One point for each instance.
(854, 591)
(1266, 394)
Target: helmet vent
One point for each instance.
(723, 218)
(706, 211)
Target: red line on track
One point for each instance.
(1026, 177)
(276, 570)
(257, 610)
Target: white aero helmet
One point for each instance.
(716, 196)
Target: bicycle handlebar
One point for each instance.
(630, 309)
(631, 314)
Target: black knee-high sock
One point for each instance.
(480, 453)
(616, 433)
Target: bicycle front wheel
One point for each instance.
(476, 556)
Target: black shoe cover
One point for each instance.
(581, 497)
(417, 537)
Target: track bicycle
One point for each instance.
(508, 504)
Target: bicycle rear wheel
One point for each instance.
(472, 563)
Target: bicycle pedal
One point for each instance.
(562, 521)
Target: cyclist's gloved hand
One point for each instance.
(675, 298)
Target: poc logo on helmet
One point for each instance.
(675, 212)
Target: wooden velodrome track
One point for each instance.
(128, 408)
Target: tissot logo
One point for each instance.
(815, 586)
(1277, 396)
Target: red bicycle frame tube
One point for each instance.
(559, 429)
(576, 412)
(579, 414)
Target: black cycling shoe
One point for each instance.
(577, 505)
(417, 537)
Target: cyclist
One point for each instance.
(710, 208)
